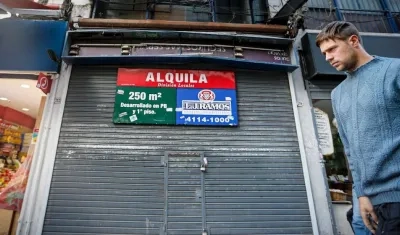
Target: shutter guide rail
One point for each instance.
(164, 228)
(203, 162)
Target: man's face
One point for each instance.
(340, 54)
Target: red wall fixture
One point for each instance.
(2, 109)
(19, 118)
(28, 4)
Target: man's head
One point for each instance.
(340, 42)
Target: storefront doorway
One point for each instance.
(21, 107)
(331, 147)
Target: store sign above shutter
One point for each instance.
(154, 47)
(175, 97)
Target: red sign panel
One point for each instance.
(176, 78)
(44, 83)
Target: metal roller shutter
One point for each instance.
(321, 89)
(124, 179)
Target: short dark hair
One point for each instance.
(341, 30)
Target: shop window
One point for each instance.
(336, 166)
(368, 21)
(370, 5)
(182, 13)
(393, 5)
(121, 9)
(397, 20)
(317, 18)
(162, 10)
(367, 16)
(233, 11)
(318, 4)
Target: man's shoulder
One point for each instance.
(337, 90)
(394, 63)
(392, 68)
(390, 59)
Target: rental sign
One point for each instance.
(175, 97)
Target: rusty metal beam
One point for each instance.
(181, 25)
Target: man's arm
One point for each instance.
(397, 75)
(353, 168)
(394, 71)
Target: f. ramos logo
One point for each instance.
(206, 95)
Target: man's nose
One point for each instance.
(328, 57)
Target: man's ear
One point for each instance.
(354, 41)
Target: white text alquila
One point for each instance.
(175, 78)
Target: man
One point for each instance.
(367, 108)
(353, 215)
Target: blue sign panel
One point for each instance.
(215, 107)
(24, 44)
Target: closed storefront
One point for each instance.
(173, 133)
(244, 178)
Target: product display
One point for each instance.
(340, 184)
(12, 195)
(338, 195)
(14, 147)
(5, 176)
(27, 139)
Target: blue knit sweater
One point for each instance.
(367, 108)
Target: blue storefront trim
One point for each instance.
(24, 44)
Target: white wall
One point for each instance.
(59, 2)
(53, 2)
(342, 225)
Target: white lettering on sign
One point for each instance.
(204, 48)
(176, 78)
(196, 107)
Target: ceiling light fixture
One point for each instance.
(5, 11)
(5, 16)
(25, 109)
(25, 86)
(3, 98)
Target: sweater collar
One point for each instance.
(364, 66)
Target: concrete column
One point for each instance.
(315, 162)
